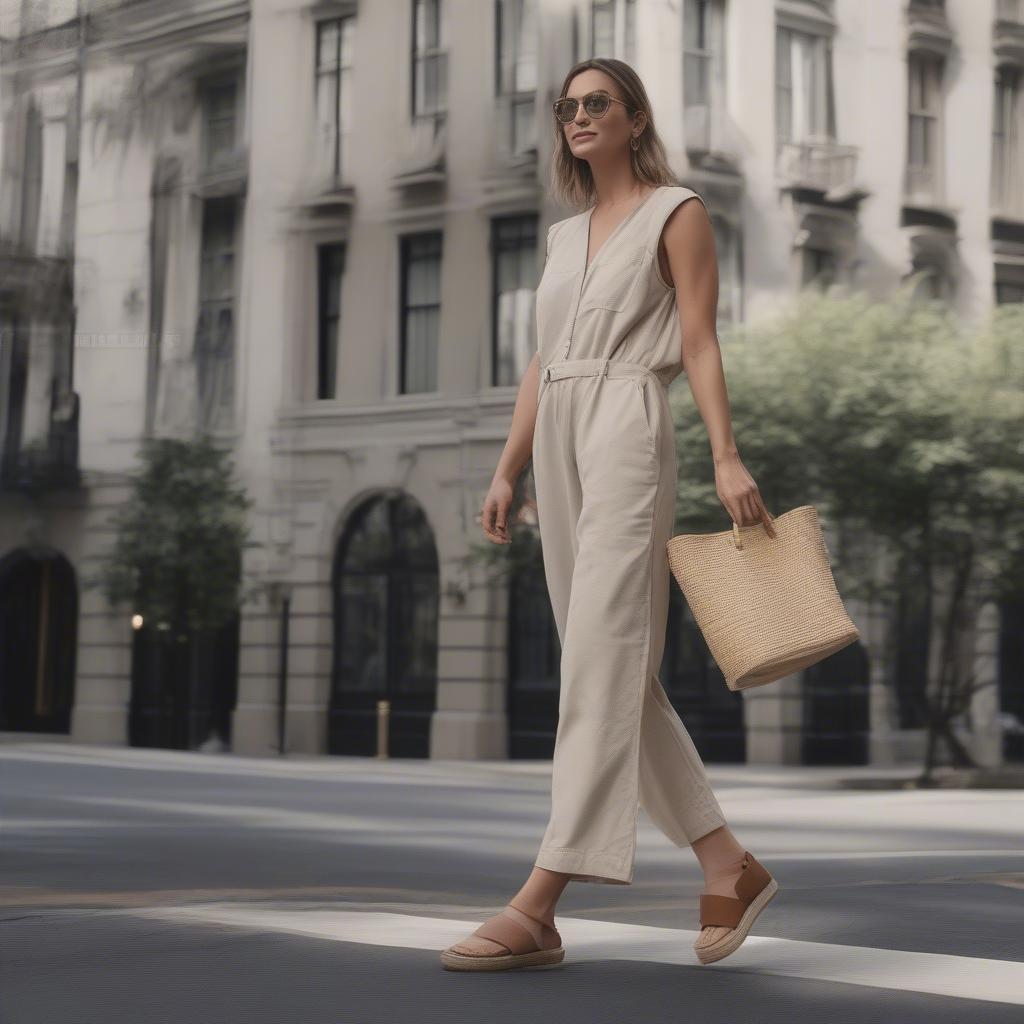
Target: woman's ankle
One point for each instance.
(723, 868)
(540, 893)
(719, 852)
(541, 912)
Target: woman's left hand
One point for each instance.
(740, 494)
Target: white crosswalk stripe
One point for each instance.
(1000, 981)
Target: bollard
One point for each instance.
(383, 710)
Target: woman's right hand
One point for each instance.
(494, 512)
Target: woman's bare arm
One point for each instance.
(692, 265)
(514, 456)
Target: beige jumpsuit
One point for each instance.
(605, 471)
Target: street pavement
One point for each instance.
(143, 886)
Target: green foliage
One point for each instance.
(906, 431)
(177, 556)
(888, 417)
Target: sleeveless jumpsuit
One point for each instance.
(605, 474)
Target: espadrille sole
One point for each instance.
(539, 958)
(730, 942)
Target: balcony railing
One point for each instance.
(1007, 194)
(49, 461)
(1010, 10)
(40, 281)
(224, 172)
(819, 164)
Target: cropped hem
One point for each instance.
(586, 867)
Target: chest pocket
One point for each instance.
(613, 278)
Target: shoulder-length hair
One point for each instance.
(571, 179)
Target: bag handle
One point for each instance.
(736, 530)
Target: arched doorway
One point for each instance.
(835, 700)
(38, 641)
(385, 587)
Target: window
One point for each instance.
(1007, 158)
(421, 311)
(703, 71)
(924, 108)
(730, 278)
(1009, 291)
(334, 40)
(697, 53)
(215, 329)
(32, 177)
(430, 63)
(220, 124)
(517, 70)
(14, 363)
(804, 104)
(613, 29)
(1009, 283)
(330, 267)
(514, 244)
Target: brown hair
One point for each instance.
(571, 179)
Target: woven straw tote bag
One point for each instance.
(767, 606)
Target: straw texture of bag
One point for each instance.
(767, 606)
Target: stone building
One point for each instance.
(306, 227)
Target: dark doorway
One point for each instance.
(836, 718)
(184, 690)
(911, 625)
(1011, 675)
(385, 585)
(534, 659)
(711, 712)
(38, 641)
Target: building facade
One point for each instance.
(313, 229)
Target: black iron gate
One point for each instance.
(385, 584)
(183, 691)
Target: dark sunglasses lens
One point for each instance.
(565, 109)
(596, 104)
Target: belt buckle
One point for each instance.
(547, 373)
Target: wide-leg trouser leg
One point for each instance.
(604, 468)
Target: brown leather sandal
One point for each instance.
(754, 888)
(514, 930)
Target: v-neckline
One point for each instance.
(614, 230)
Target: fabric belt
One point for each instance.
(597, 368)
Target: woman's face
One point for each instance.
(597, 137)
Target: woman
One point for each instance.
(627, 302)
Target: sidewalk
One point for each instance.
(321, 765)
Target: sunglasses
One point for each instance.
(596, 104)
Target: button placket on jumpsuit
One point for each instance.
(605, 472)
